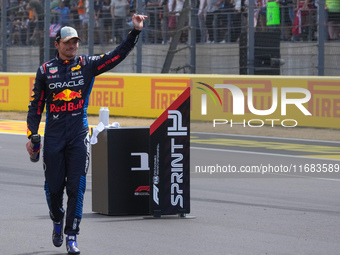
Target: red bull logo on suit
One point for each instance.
(67, 95)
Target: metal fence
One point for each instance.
(183, 37)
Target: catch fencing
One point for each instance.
(187, 39)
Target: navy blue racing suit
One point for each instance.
(65, 87)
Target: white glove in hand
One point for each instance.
(96, 130)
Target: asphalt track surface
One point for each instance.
(235, 213)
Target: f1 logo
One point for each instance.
(155, 194)
(144, 161)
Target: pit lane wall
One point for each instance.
(148, 95)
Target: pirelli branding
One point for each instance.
(108, 92)
(325, 101)
(4, 90)
(165, 91)
(231, 101)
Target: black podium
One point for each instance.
(120, 172)
(143, 171)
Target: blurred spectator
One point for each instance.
(154, 10)
(171, 20)
(10, 21)
(23, 28)
(201, 21)
(291, 9)
(98, 4)
(74, 17)
(30, 25)
(120, 10)
(36, 22)
(213, 17)
(178, 9)
(262, 15)
(13, 5)
(333, 23)
(107, 21)
(53, 5)
(240, 19)
(63, 14)
(303, 22)
(273, 15)
(84, 21)
(21, 17)
(22, 9)
(16, 30)
(132, 7)
(38, 26)
(164, 20)
(228, 14)
(287, 20)
(76, 22)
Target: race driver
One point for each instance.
(64, 85)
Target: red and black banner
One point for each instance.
(170, 159)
